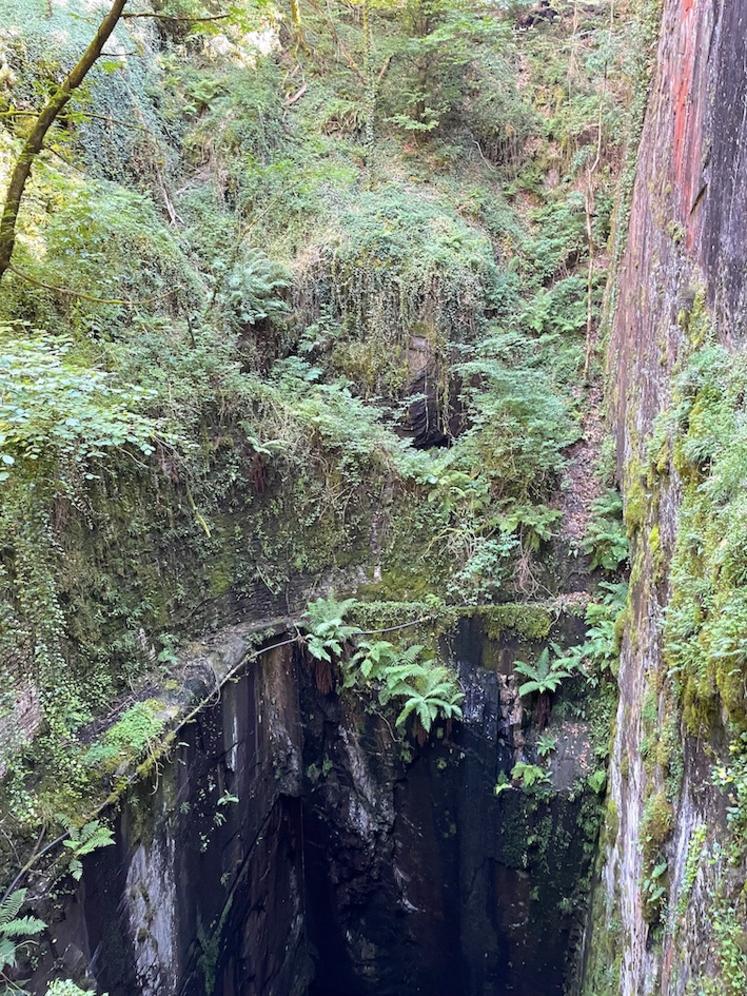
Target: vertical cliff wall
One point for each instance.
(674, 866)
(203, 889)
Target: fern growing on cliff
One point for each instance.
(85, 840)
(606, 541)
(529, 776)
(429, 691)
(326, 628)
(15, 930)
(545, 675)
(376, 660)
(425, 689)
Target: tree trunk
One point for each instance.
(33, 144)
(542, 711)
(370, 95)
(297, 26)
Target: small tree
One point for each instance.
(47, 117)
(55, 104)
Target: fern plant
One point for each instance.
(529, 776)
(253, 289)
(545, 675)
(428, 690)
(326, 629)
(606, 541)
(378, 660)
(15, 930)
(85, 840)
(546, 744)
(599, 650)
(428, 694)
(533, 523)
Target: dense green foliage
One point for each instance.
(695, 694)
(422, 688)
(291, 310)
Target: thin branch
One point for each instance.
(392, 629)
(169, 17)
(85, 114)
(294, 98)
(68, 292)
(35, 855)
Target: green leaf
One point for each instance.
(25, 926)
(11, 907)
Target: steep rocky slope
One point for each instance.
(290, 845)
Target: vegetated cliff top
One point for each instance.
(289, 301)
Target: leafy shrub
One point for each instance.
(695, 853)
(562, 237)
(654, 891)
(656, 825)
(107, 242)
(427, 690)
(52, 405)
(374, 659)
(560, 309)
(519, 424)
(728, 928)
(432, 62)
(242, 127)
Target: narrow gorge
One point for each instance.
(373, 582)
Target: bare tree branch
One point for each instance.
(68, 292)
(169, 17)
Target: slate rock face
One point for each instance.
(203, 890)
(686, 241)
(288, 847)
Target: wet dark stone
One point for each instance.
(343, 869)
